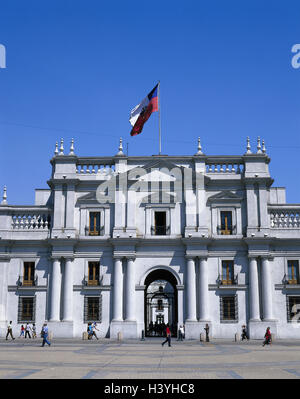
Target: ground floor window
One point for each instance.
(26, 309)
(228, 308)
(293, 308)
(92, 308)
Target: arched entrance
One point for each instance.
(160, 303)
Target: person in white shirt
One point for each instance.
(27, 330)
(9, 330)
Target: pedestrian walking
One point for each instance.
(206, 328)
(90, 330)
(168, 333)
(181, 333)
(244, 333)
(268, 337)
(22, 331)
(44, 334)
(93, 328)
(33, 331)
(27, 330)
(9, 330)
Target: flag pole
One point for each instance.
(159, 127)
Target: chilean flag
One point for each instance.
(141, 113)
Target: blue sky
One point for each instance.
(77, 68)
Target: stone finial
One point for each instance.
(120, 147)
(259, 151)
(56, 149)
(4, 200)
(199, 152)
(61, 149)
(248, 146)
(72, 148)
(263, 147)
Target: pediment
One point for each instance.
(88, 198)
(225, 196)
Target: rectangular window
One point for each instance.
(226, 222)
(92, 308)
(227, 272)
(293, 271)
(93, 273)
(293, 308)
(26, 310)
(229, 311)
(160, 219)
(94, 224)
(28, 273)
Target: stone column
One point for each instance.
(253, 290)
(266, 290)
(130, 291)
(55, 291)
(190, 290)
(203, 290)
(118, 291)
(68, 291)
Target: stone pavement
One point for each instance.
(133, 359)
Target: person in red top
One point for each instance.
(267, 337)
(168, 333)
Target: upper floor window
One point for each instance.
(293, 271)
(94, 224)
(160, 223)
(28, 273)
(227, 272)
(226, 222)
(93, 273)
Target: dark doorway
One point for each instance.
(160, 224)
(160, 303)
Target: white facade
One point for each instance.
(55, 235)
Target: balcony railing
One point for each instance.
(285, 217)
(99, 232)
(222, 231)
(27, 283)
(92, 283)
(160, 230)
(287, 280)
(233, 281)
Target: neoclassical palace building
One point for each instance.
(136, 242)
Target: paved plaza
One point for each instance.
(106, 359)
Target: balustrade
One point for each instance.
(31, 221)
(226, 167)
(285, 218)
(95, 168)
